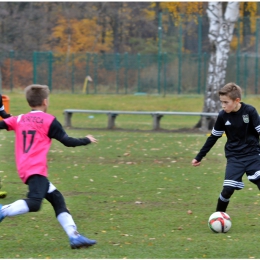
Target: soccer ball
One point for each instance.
(219, 222)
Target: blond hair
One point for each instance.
(35, 94)
(231, 90)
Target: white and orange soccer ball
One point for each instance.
(219, 222)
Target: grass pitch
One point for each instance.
(135, 192)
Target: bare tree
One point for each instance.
(221, 29)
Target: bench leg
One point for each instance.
(67, 119)
(156, 121)
(111, 120)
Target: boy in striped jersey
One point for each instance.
(33, 134)
(241, 123)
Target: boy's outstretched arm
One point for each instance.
(57, 132)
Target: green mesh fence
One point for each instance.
(179, 66)
(124, 73)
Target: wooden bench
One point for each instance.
(156, 115)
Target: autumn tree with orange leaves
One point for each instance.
(79, 35)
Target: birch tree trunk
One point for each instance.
(221, 29)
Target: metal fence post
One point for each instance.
(205, 71)
(117, 56)
(180, 58)
(199, 53)
(95, 71)
(164, 73)
(50, 71)
(238, 53)
(256, 55)
(245, 73)
(139, 72)
(11, 53)
(72, 73)
(159, 73)
(126, 71)
(159, 51)
(87, 70)
(34, 67)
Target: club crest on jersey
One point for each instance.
(246, 119)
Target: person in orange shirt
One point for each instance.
(3, 113)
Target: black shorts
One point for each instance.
(236, 168)
(38, 186)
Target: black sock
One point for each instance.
(258, 184)
(222, 205)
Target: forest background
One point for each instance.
(126, 47)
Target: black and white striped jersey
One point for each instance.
(242, 129)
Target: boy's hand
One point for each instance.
(194, 162)
(92, 139)
(5, 115)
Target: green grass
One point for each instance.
(131, 192)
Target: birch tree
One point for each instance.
(221, 29)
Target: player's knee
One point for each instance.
(57, 201)
(34, 204)
(227, 192)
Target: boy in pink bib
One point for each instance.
(33, 134)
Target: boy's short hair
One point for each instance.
(35, 94)
(231, 90)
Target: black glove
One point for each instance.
(3, 114)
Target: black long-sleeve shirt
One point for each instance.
(242, 129)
